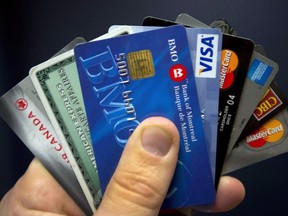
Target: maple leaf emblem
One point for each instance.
(21, 104)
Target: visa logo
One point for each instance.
(206, 55)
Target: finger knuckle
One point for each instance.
(141, 189)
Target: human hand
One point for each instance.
(138, 186)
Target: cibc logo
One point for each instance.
(178, 73)
(269, 102)
(267, 136)
(21, 104)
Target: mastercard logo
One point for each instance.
(269, 133)
(229, 64)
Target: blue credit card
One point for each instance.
(205, 48)
(129, 78)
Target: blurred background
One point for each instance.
(32, 31)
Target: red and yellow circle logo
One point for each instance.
(229, 63)
(271, 132)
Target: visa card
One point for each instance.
(205, 49)
(126, 79)
(236, 56)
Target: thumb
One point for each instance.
(145, 170)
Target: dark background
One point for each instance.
(33, 31)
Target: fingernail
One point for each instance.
(156, 141)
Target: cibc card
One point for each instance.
(260, 75)
(129, 78)
(273, 102)
(268, 141)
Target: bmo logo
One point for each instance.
(178, 73)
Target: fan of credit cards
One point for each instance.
(77, 110)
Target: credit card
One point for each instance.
(260, 75)
(70, 46)
(205, 49)
(22, 110)
(187, 20)
(273, 102)
(57, 84)
(156, 21)
(123, 80)
(224, 26)
(203, 43)
(236, 56)
(268, 141)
